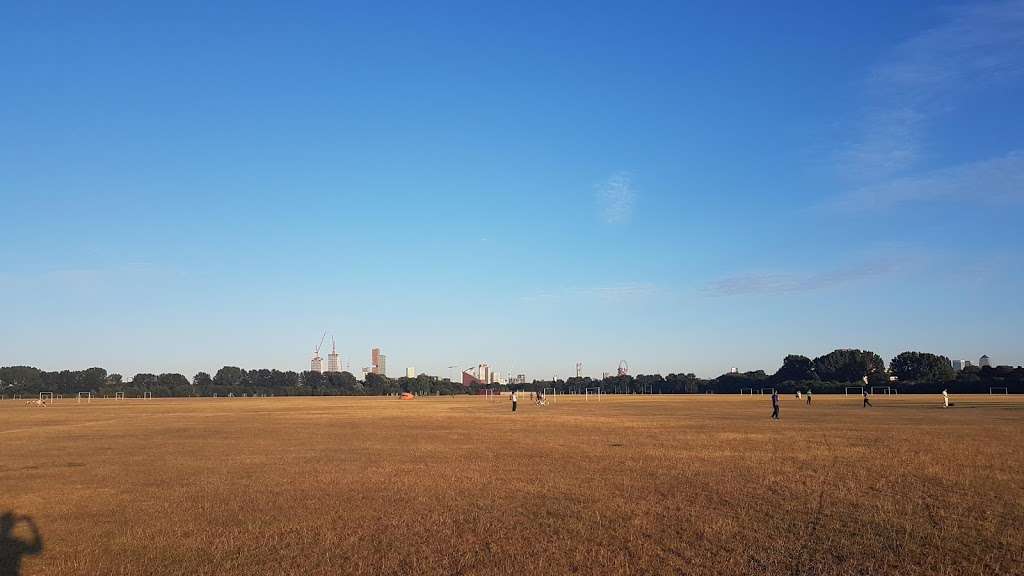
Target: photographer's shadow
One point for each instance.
(13, 548)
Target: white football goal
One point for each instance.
(550, 393)
(46, 396)
(147, 395)
(999, 390)
(491, 393)
(857, 390)
(118, 395)
(767, 390)
(881, 390)
(592, 392)
(747, 391)
(87, 396)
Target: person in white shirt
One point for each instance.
(515, 399)
(945, 399)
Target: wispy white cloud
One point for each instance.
(976, 46)
(989, 181)
(615, 198)
(781, 283)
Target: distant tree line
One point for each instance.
(913, 372)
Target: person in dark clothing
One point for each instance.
(775, 405)
(515, 400)
(866, 401)
(808, 396)
(12, 548)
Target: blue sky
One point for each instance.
(689, 188)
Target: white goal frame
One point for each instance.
(881, 390)
(491, 393)
(46, 397)
(554, 394)
(118, 395)
(588, 392)
(1005, 390)
(770, 391)
(747, 391)
(147, 395)
(860, 390)
(86, 395)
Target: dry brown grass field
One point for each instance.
(627, 485)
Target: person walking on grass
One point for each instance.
(775, 405)
(515, 400)
(808, 396)
(866, 401)
(945, 398)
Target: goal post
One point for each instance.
(553, 392)
(118, 395)
(86, 396)
(999, 390)
(596, 392)
(46, 396)
(881, 390)
(859, 390)
(767, 390)
(747, 391)
(147, 395)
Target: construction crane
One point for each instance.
(316, 351)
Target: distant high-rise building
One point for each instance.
(378, 362)
(985, 361)
(959, 365)
(316, 364)
(734, 370)
(410, 372)
(333, 359)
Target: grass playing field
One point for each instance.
(627, 485)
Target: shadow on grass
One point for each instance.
(13, 548)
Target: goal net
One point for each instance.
(86, 396)
(592, 392)
(550, 393)
(856, 390)
(999, 390)
(46, 396)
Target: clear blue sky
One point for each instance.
(687, 188)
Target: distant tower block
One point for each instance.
(623, 368)
(410, 372)
(377, 361)
(316, 363)
(333, 359)
(579, 369)
(985, 361)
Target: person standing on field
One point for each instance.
(808, 396)
(775, 405)
(514, 401)
(945, 399)
(866, 401)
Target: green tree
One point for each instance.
(848, 365)
(796, 368)
(921, 367)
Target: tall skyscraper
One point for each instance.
(410, 372)
(316, 364)
(985, 361)
(378, 362)
(333, 359)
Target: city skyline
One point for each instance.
(674, 186)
